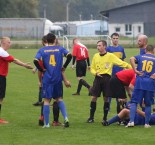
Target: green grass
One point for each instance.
(23, 129)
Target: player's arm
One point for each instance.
(129, 91)
(133, 64)
(68, 60)
(88, 63)
(26, 65)
(120, 63)
(66, 82)
(37, 64)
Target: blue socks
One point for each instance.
(147, 114)
(62, 107)
(114, 119)
(46, 112)
(133, 108)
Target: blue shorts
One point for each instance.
(54, 91)
(138, 95)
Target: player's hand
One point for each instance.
(28, 66)
(140, 73)
(34, 70)
(73, 67)
(98, 75)
(88, 68)
(152, 76)
(67, 84)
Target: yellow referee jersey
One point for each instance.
(104, 64)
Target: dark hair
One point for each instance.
(149, 48)
(104, 43)
(51, 38)
(114, 34)
(44, 39)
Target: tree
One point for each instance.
(18, 8)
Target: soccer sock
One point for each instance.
(79, 87)
(109, 100)
(118, 107)
(46, 112)
(62, 107)
(39, 95)
(114, 119)
(92, 109)
(133, 108)
(42, 106)
(55, 111)
(83, 82)
(105, 110)
(147, 114)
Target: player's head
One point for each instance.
(101, 46)
(51, 38)
(115, 38)
(5, 43)
(149, 49)
(142, 41)
(44, 40)
(75, 40)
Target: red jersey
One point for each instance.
(80, 51)
(5, 58)
(127, 76)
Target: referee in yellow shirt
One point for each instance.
(101, 68)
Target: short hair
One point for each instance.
(3, 39)
(104, 43)
(51, 38)
(44, 39)
(114, 34)
(149, 48)
(75, 39)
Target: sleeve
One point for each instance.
(5, 55)
(120, 63)
(74, 51)
(92, 68)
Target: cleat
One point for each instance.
(38, 104)
(56, 123)
(105, 123)
(90, 120)
(76, 94)
(46, 126)
(66, 123)
(130, 124)
(3, 121)
(147, 126)
(41, 121)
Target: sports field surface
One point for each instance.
(23, 129)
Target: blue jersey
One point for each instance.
(142, 51)
(146, 63)
(52, 57)
(119, 52)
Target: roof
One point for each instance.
(129, 3)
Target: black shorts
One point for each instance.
(81, 68)
(117, 88)
(101, 84)
(2, 86)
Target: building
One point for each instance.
(132, 19)
(27, 27)
(84, 28)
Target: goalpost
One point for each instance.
(89, 41)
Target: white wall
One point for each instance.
(134, 29)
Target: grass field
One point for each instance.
(23, 129)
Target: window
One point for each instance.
(139, 29)
(128, 29)
(117, 29)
